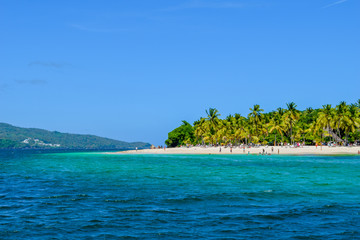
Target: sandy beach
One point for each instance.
(306, 150)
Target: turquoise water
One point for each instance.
(97, 196)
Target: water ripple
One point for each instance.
(95, 196)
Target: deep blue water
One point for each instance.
(97, 196)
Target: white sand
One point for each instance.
(306, 150)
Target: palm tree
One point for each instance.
(291, 116)
(325, 118)
(221, 132)
(241, 131)
(309, 115)
(255, 117)
(301, 131)
(265, 127)
(352, 120)
(233, 126)
(201, 127)
(212, 116)
(213, 119)
(276, 124)
(339, 117)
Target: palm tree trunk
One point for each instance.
(338, 130)
(291, 140)
(275, 140)
(346, 137)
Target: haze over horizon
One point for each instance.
(132, 71)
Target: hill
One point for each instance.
(17, 137)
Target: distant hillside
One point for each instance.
(17, 137)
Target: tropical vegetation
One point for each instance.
(339, 124)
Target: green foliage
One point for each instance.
(181, 136)
(6, 143)
(13, 137)
(339, 124)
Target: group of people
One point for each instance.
(266, 153)
(158, 147)
(260, 153)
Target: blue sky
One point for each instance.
(132, 70)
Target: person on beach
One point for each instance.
(272, 149)
(278, 151)
(220, 149)
(136, 148)
(231, 149)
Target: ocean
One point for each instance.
(102, 196)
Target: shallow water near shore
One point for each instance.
(102, 196)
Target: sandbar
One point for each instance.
(305, 150)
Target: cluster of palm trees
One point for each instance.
(339, 124)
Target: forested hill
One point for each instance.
(17, 137)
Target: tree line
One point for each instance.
(340, 124)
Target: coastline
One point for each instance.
(306, 150)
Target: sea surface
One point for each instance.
(102, 196)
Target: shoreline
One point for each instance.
(269, 150)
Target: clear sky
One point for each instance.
(132, 70)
